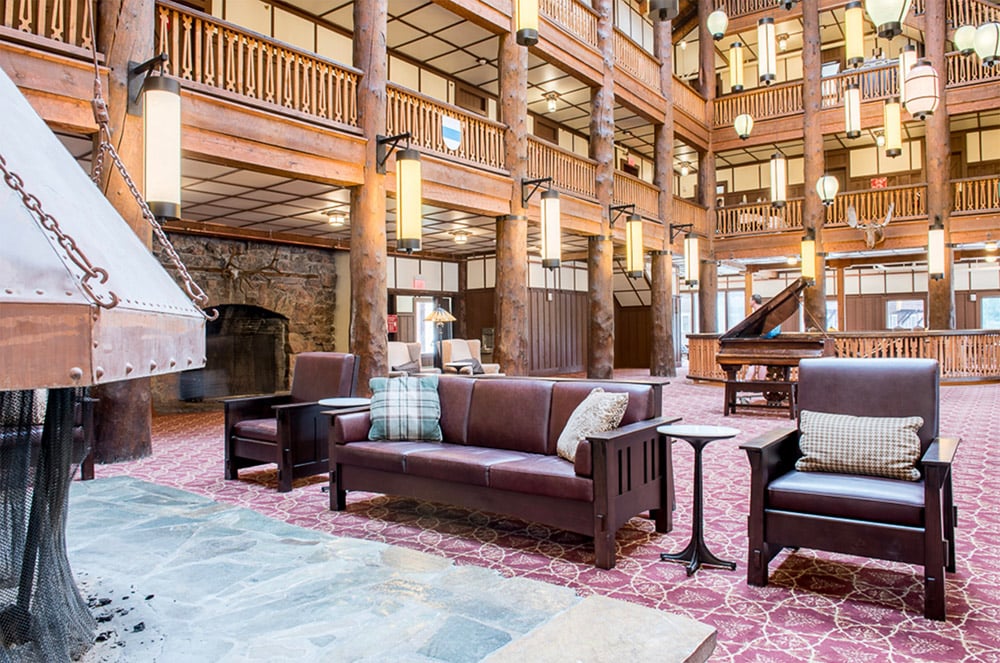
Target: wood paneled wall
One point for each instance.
(632, 336)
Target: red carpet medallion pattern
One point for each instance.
(817, 607)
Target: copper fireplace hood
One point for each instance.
(62, 323)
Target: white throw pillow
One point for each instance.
(600, 411)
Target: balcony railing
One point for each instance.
(967, 70)
(629, 190)
(631, 58)
(772, 101)
(690, 101)
(577, 18)
(970, 12)
(686, 211)
(66, 21)
(569, 171)
(218, 55)
(481, 139)
(976, 194)
(757, 218)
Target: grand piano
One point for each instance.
(745, 345)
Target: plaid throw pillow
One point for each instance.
(600, 411)
(874, 446)
(405, 408)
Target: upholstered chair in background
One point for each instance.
(405, 359)
(455, 351)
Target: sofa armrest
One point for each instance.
(251, 407)
(941, 451)
(584, 461)
(350, 427)
(773, 453)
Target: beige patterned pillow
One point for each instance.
(600, 411)
(875, 446)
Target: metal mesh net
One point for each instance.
(42, 615)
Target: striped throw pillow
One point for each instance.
(874, 446)
(405, 408)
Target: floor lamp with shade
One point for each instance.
(439, 317)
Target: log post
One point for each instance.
(661, 359)
(511, 302)
(707, 272)
(369, 297)
(600, 249)
(813, 211)
(125, 28)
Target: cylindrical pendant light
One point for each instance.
(663, 10)
(852, 110)
(907, 58)
(921, 90)
(717, 22)
(987, 43)
(409, 203)
(807, 248)
(827, 187)
(692, 258)
(635, 259)
(893, 127)
(743, 125)
(854, 33)
(551, 229)
(779, 179)
(965, 39)
(935, 249)
(736, 66)
(888, 15)
(161, 125)
(767, 65)
(526, 20)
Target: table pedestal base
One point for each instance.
(696, 555)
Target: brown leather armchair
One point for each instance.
(289, 429)
(905, 521)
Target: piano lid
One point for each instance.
(771, 314)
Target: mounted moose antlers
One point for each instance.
(871, 229)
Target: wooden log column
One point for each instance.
(511, 292)
(125, 29)
(600, 249)
(661, 359)
(707, 271)
(369, 297)
(937, 146)
(813, 211)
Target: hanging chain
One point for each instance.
(68, 244)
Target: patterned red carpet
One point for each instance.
(817, 607)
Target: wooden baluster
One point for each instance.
(58, 22)
(231, 61)
(26, 23)
(187, 55)
(40, 19)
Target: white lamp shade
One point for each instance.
(854, 29)
(852, 110)
(888, 15)
(717, 22)
(692, 258)
(987, 42)
(526, 20)
(891, 122)
(827, 187)
(635, 261)
(409, 205)
(161, 124)
(907, 58)
(767, 65)
(935, 251)
(779, 179)
(808, 250)
(551, 229)
(965, 39)
(743, 125)
(663, 10)
(921, 90)
(736, 66)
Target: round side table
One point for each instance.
(345, 401)
(697, 554)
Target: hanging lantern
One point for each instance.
(854, 29)
(551, 229)
(807, 248)
(526, 20)
(921, 90)
(767, 65)
(852, 110)
(161, 124)
(907, 58)
(987, 43)
(635, 259)
(717, 22)
(965, 39)
(935, 250)
(827, 187)
(692, 257)
(888, 15)
(743, 125)
(663, 10)
(409, 205)
(685, 168)
(779, 179)
(893, 127)
(736, 66)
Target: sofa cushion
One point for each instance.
(381, 455)
(542, 475)
(849, 496)
(409, 367)
(600, 411)
(456, 397)
(872, 446)
(258, 429)
(405, 408)
(510, 413)
(459, 463)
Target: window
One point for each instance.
(990, 314)
(831, 314)
(904, 314)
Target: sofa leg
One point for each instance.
(604, 550)
(231, 471)
(757, 570)
(934, 601)
(662, 519)
(284, 481)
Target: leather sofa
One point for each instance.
(499, 455)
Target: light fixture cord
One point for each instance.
(103, 119)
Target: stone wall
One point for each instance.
(296, 282)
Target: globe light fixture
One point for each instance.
(743, 125)
(663, 10)
(888, 15)
(921, 90)
(965, 39)
(717, 22)
(827, 187)
(987, 43)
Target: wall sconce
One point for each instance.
(717, 22)
(663, 10)
(852, 110)
(907, 58)
(893, 127)
(935, 249)
(460, 236)
(552, 100)
(921, 90)
(782, 42)
(526, 22)
(854, 33)
(987, 44)
(685, 168)
(888, 15)
(766, 61)
(635, 261)
(736, 66)
(827, 187)
(336, 219)
(409, 206)
(743, 125)
(779, 180)
(691, 250)
(158, 100)
(965, 39)
(807, 248)
(551, 229)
